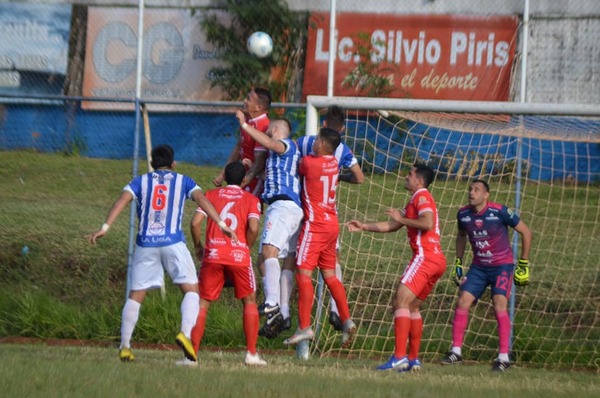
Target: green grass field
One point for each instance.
(48, 371)
(64, 288)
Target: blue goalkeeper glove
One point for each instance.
(522, 273)
(457, 271)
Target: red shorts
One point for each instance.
(211, 279)
(422, 273)
(316, 249)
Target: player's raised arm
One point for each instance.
(258, 136)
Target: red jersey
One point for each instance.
(319, 191)
(248, 145)
(423, 242)
(236, 207)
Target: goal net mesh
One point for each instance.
(547, 167)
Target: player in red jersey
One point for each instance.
(221, 258)
(420, 216)
(247, 150)
(318, 237)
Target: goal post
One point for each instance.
(543, 159)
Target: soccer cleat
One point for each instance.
(451, 359)
(273, 325)
(254, 360)
(126, 355)
(349, 330)
(286, 324)
(399, 364)
(261, 309)
(414, 366)
(335, 321)
(500, 366)
(300, 335)
(186, 362)
(186, 346)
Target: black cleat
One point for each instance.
(335, 321)
(273, 325)
(287, 324)
(500, 366)
(451, 359)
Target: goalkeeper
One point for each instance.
(485, 224)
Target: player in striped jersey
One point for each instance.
(420, 216)
(350, 172)
(251, 153)
(318, 237)
(221, 258)
(160, 243)
(283, 216)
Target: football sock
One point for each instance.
(503, 331)
(339, 295)
(129, 317)
(273, 274)
(459, 325)
(338, 273)
(305, 299)
(286, 285)
(401, 331)
(189, 312)
(251, 327)
(414, 337)
(198, 330)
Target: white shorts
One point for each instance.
(282, 226)
(149, 263)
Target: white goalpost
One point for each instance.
(541, 159)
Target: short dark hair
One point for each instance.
(484, 183)
(235, 173)
(264, 97)
(162, 156)
(330, 137)
(335, 118)
(425, 172)
(286, 121)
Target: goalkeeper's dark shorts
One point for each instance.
(499, 277)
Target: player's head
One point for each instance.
(279, 129)
(326, 142)
(257, 102)
(420, 176)
(479, 193)
(334, 118)
(162, 157)
(235, 173)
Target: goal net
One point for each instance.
(542, 160)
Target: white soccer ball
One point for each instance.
(260, 44)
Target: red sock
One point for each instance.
(305, 299)
(198, 329)
(416, 332)
(251, 326)
(459, 325)
(401, 330)
(503, 331)
(339, 295)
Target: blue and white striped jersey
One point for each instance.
(282, 181)
(342, 153)
(160, 198)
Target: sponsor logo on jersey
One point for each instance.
(466, 219)
(479, 223)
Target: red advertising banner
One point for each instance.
(413, 56)
(176, 58)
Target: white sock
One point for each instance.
(129, 317)
(286, 285)
(503, 357)
(273, 274)
(264, 285)
(338, 274)
(190, 305)
(457, 350)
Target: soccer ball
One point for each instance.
(260, 44)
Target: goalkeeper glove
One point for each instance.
(522, 273)
(457, 271)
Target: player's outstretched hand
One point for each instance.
(522, 273)
(396, 214)
(457, 271)
(95, 236)
(229, 232)
(354, 226)
(241, 117)
(218, 180)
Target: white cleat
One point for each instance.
(186, 362)
(254, 360)
(300, 335)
